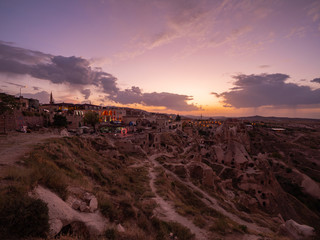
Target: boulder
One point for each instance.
(93, 205)
(120, 228)
(76, 204)
(84, 207)
(62, 214)
(87, 197)
(64, 133)
(298, 231)
(55, 226)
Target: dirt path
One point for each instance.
(211, 201)
(296, 138)
(16, 145)
(165, 210)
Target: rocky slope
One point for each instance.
(229, 183)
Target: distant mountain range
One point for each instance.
(251, 118)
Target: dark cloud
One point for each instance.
(86, 93)
(268, 89)
(21, 55)
(61, 69)
(133, 95)
(72, 70)
(215, 94)
(12, 66)
(77, 73)
(42, 96)
(169, 100)
(36, 88)
(108, 82)
(316, 80)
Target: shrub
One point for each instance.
(111, 234)
(22, 216)
(27, 114)
(221, 226)
(165, 228)
(199, 221)
(60, 120)
(49, 175)
(243, 228)
(108, 209)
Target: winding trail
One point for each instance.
(208, 199)
(165, 210)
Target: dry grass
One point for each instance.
(20, 215)
(123, 192)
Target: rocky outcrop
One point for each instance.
(202, 172)
(88, 203)
(297, 231)
(61, 214)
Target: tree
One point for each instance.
(91, 118)
(178, 118)
(60, 120)
(7, 104)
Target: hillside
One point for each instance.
(226, 183)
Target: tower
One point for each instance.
(51, 99)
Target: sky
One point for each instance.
(190, 57)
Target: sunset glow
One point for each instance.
(211, 58)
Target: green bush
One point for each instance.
(22, 216)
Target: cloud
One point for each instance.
(297, 32)
(169, 100)
(215, 94)
(21, 55)
(61, 69)
(203, 24)
(72, 70)
(36, 88)
(86, 93)
(316, 80)
(268, 89)
(264, 66)
(15, 84)
(78, 74)
(42, 96)
(314, 13)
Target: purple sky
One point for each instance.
(230, 57)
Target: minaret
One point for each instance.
(51, 99)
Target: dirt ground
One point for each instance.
(16, 145)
